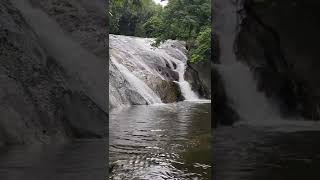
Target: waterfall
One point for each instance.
(143, 65)
(184, 85)
(239, 82)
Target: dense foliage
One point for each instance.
(127, 17)
(202, 47)
(187, 20)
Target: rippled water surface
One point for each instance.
(83, 160)
(289, 151)
(170, 141)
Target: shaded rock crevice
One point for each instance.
(198, 75)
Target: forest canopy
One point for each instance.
(187, 20)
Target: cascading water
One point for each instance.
(138, 62)
(184, 85)
(239, 83)
(180, 68)
(135, 82)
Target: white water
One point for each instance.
(240, 85)
(138, 84)
(184, 85)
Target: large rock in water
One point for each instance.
(279, 40)
(43, 96)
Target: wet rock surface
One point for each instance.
(40, 101)
(120, 91)
(198, 75)
(278, 40)
(85, 21)
(168, 91)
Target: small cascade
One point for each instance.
(239, 82)
(184, 85)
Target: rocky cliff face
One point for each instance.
(279, 41)
(41, 98)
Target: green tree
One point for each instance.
(187, 20)
(128, 16)
(202, 50)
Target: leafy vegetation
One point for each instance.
(202, 50)
(187, 20)
(128, 16)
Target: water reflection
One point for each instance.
(161, 142)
